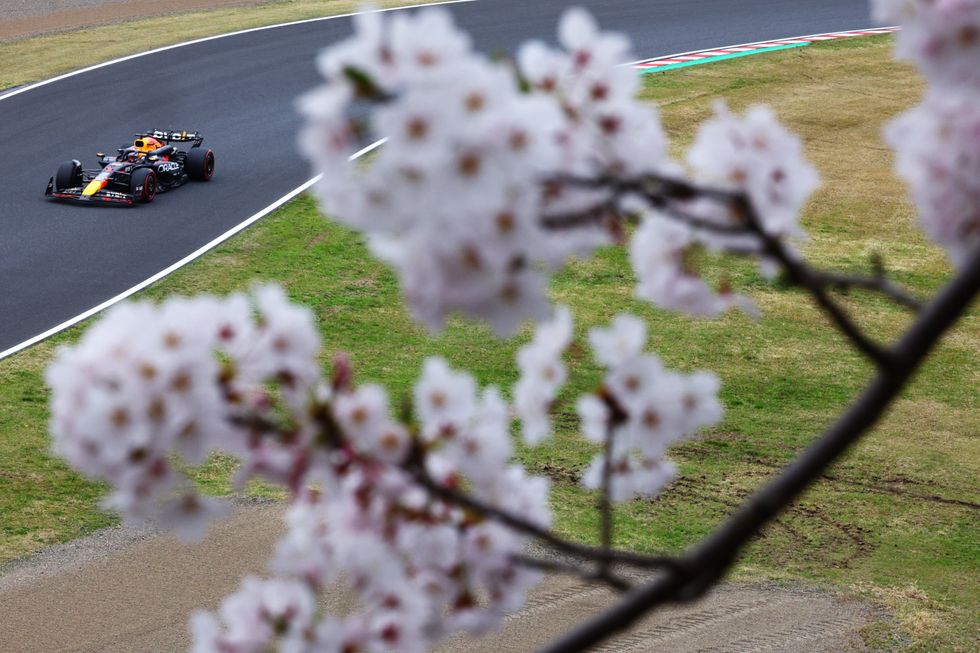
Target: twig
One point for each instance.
(597, 214)
(605, 502)
(671, 210)
(878, 283)
(528, 528)
(703, 566)
(802, 275)
(606, 577)
(592, 216)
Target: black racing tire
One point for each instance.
(199, 164)
(143, 185)
(69, 175)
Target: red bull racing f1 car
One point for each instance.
(137, 173)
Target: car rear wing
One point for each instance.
(174, 136)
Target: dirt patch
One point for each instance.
(147, 585)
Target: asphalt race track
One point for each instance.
(58, 260)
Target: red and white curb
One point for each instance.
(748, 48)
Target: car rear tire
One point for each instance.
(69, 175)
(143, 185)
(200, 164)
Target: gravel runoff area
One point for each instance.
(121, 590)
(24, 18)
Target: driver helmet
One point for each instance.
(146, 144)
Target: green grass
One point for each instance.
(895, 521)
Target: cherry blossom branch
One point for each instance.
(877, 283)
(559, 567)
(703, 566)
(605, 500)
(440, 491)
(604, 556)
(596, 215)
(593, 216)
(664, 193)
(801, 274)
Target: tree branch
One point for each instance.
(704, 565)
(520, 525)
(664, 193)
(799, 273)
(596, 215)
(605, 502)
(605, 577)
(877, 283)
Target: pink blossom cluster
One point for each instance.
(756, 155)
(660, 253)
(941, 36)
(938, 154)
(454, 199)
(153, 389)
(542, 375)
(644, 408)
(751, 154)
(937, 143)
(418, 568)
(150, 388)
(421, 567)
(483, 159)
(605, 130)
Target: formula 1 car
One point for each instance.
(137, 173)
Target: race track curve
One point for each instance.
(57, 261)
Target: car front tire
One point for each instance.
(143, 185)
(69, 175)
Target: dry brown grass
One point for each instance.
(39, 58)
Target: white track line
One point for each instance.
(218, 36)
(182, 262)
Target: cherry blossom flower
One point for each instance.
(622, 342)
(454, 201)
(941, 36)
(631, 476)
(120, 409)
(484, 448)
(255, 617)
(445, 400)
(937, 146)
(189, 515)
(364, 416)
(594, 415)
(759, 156)
(659, 254)
(542, 375)
(645, 408)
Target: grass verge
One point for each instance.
(895, 521)
(42, 57)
